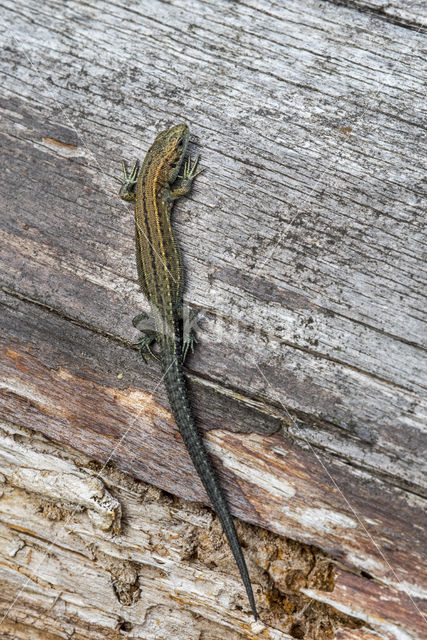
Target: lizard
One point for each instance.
(154, 188)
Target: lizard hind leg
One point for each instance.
(149, 336)
(189, 332)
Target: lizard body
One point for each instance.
(160, 275)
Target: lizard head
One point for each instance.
(173, 143)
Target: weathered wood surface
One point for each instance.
(96, 552)
(303, 246)
(411, 15)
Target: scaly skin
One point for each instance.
(160, 274)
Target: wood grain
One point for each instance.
(303, 243)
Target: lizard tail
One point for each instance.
(180, 405)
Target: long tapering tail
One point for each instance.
(180, 405)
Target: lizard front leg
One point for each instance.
(127, 190)
(184, 182)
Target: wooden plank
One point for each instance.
(303, 244)
(233, 350)
(62, 380)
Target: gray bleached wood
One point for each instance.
(303, 244)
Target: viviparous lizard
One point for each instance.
(154, 188)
